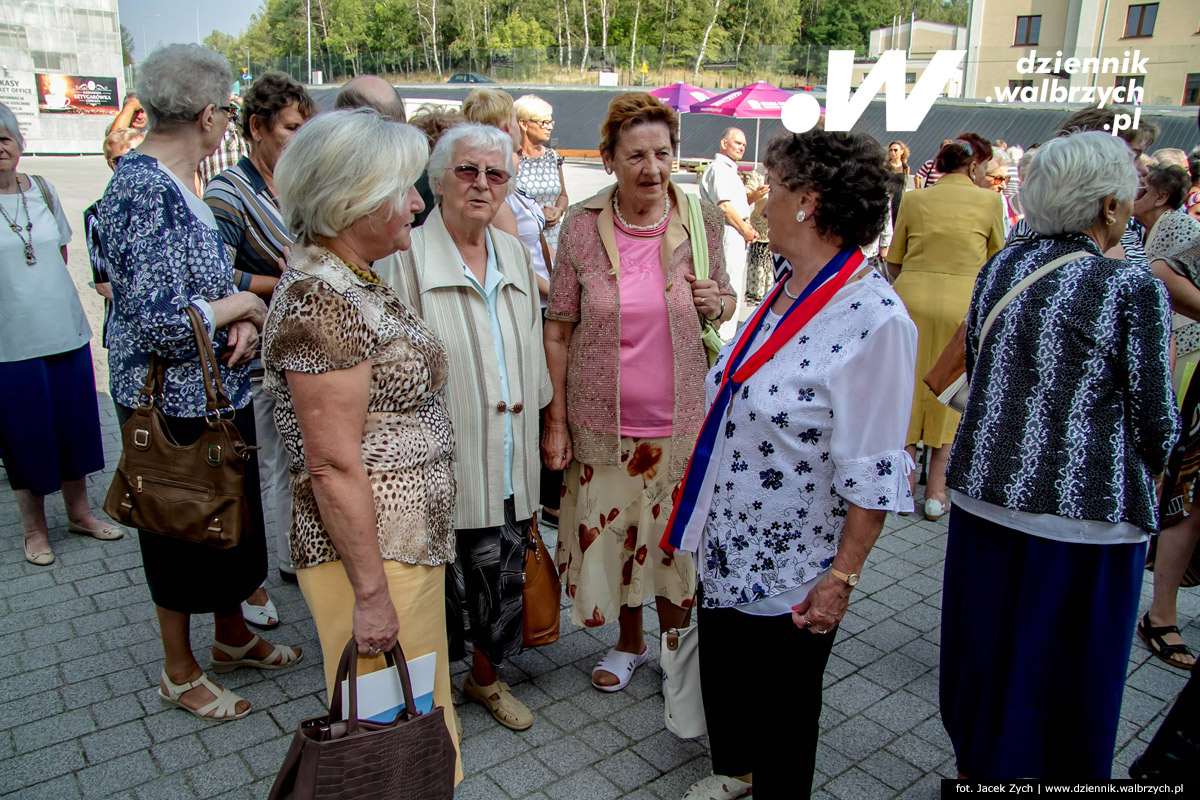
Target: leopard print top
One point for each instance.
(323, 317)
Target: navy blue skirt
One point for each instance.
(1035, 643)
(49, 421)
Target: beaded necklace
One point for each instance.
(650, 227)
(30, 255)
(365, 274)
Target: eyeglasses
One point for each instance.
(112, 162)
(997, 179)
(469, 173)
(545, 123)
(1141, 192)
(231, 110)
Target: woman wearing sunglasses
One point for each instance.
(474, 285)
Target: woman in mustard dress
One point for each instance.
(943, 236)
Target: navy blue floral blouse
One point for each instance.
(163, 255)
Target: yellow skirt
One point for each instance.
(419, 595)
(611, 521)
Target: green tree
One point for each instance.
(516, 31)
(126, 46)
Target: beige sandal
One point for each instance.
(222, 708)
(280, 657)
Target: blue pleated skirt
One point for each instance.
(1034, 649)
(49, 421)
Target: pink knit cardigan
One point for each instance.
(584, 291)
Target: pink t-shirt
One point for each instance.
(647, 362)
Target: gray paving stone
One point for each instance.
(604, 738)
(116, 741)
(179, 754)
(920, 616)
(563, 682)
(27, 709)
(476, 787)
(896, 567)
(171, 723)
(566, 754)
(32, 768)
(856, 651)
(627, 770)
(52, 730)
(932, 731)
(520, 776)
(68, 610)
(675, 783)
(893, 671)
(888, 635)
(871, 609)
(109, 777)
(490, 747)
(170, 787)
(922, 650)
(47, 635)
(36, 658)
(120, 597)
(78, 572)
(853, 694)
(15, 622)
(51, 595)
(14, 587)
(666, 751)
(928, 788)
(102, 583)
(900, 711)
(80, 669)
(64, 788)
(856, 785)
(1157, 681)
(236, 735)
(219, 775)
(587, 784)
(858, 738)
(117, 710)
(638, 721)
(893, 771)
(266, 758)
(567, 716)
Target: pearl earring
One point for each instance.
(801, 215)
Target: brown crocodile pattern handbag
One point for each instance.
(410, 758)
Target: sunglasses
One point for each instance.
(469, 173)
(997, 179)
(1141, 192)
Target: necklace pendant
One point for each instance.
(15, 227)
(30, 256)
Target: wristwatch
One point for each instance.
(850, 580)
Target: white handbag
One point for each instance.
(680, 661)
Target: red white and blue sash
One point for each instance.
(690, 513)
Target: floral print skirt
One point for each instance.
(611, 521)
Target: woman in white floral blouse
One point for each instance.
(806, 435)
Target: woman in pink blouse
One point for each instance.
(624, 353)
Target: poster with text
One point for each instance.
(18, 92)
(76, 94)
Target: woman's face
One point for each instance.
(268, 143)
(468, 196)
(781, 208)
(895, 154)
(10, 151)
(1146, 200)
(538, 131)
(389, 228)
(642, 162)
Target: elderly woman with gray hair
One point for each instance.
(358, 382)
(164, 256)
(475, 287)
(1071, 415)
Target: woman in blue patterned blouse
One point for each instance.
(165, 254)
(1071, 415)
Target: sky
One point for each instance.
(176, 20)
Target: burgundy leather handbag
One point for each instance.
(409, 758)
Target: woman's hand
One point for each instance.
(242, 343)
(556, 446)
(553, 215)
(824, 607)
(706, 294)
(376, 625)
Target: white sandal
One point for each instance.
(280, 657)
(620, 664)
(261, 616)
(718, 787)
(222, 708)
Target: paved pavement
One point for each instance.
(80, 657)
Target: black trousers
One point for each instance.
(761, 681)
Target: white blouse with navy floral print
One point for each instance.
(820, 425)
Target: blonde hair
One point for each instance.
(489, 107)
(530, 106)
(119, 138)
(322, 192)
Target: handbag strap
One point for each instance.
(1025, 283)
(214, 392)
(348, 669)
(699, 245)
(546, 251)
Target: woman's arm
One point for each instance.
(826, 604)
(506, 221)
(1185, 297)
(331, 410)
(556, 440)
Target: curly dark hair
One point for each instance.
(1171, 180)
(848, 170)
(269, 95)
(636, 108)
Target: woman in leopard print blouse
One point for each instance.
(359, 384)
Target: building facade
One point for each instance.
(61, 71)
(919, 39)
(1088, 46)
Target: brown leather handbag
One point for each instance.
(540, 596)
(193, 492)
(332, 758)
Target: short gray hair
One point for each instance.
(1068, 178)
(473, 135)
(342, 166)
(9, 124)
(177, 82)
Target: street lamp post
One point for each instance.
(308, 29)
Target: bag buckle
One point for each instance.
(214, 454)
(215, 525)
(141, 438)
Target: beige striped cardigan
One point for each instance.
(429, 278)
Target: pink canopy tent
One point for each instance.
(758, 101)
(681, 97)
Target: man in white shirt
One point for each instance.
(721, 185)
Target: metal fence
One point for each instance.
(720, 67)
